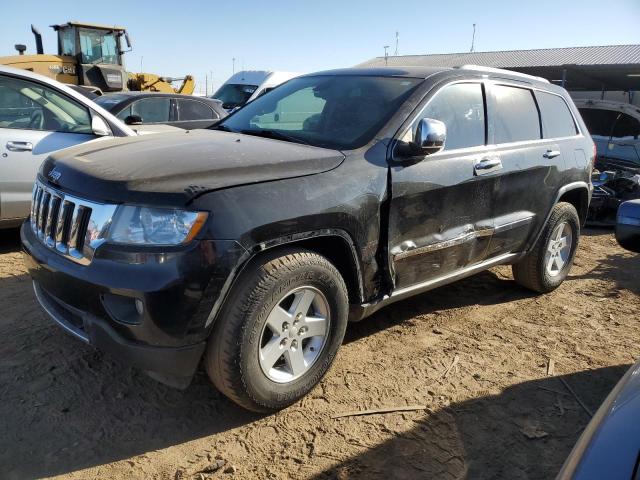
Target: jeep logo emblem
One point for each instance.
(55, 175)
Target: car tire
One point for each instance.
(267, 313)
(546, 266)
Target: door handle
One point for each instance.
(19, 146)
(551, 154)
(487, 165)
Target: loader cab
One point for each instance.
(97, 52)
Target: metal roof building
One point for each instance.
(610, 67)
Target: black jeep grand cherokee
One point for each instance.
(336, 194)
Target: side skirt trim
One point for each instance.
(363, 311)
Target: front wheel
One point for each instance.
(279, 331)
(547, 265)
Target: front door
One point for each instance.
(35, 120)
(440, 218)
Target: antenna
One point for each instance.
(396, 53)
(386, 54)
(473, 38)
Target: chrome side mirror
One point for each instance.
(99, 126)
(430, 137)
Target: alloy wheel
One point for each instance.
(294, 334)
(558, 249)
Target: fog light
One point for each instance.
(139, 306)
(123, 309)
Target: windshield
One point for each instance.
(99, 46)
(234, 95)
(108, 101)
(340, 112)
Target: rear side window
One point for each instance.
(515, 115)
(194, 110)
(461, 107)
(557, 120)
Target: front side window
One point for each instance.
(28, 105)
(151, 110)
(557, 120)
(98, 46)
(67, 41)
(332, 111)
(515, 115)
(461, 108)
(194, 110)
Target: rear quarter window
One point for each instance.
(557, 120)
(515, 115)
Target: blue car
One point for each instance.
(609, 448)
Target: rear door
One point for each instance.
(193, 114)
(532, 165)
(440, 218)
(35, 120)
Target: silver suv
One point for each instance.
(38, 116)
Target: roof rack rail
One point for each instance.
(501, 70)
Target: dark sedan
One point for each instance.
(144, 108)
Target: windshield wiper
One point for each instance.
(275, 134)
(222, 128)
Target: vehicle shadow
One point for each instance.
(9, 240)
(66, 406)
(595, 231)
(485, 288)
(524, 432)
(620, 268)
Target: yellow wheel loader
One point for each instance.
(90, 55)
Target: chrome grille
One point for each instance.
(71, 226)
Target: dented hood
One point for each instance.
(173, 168)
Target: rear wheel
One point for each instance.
(279, 331)
(547, 265)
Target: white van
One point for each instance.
(244, 86)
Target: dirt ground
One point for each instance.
(67, 410)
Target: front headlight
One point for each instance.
(155, 226)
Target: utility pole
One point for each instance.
(396, 53)
(386, 54)
(206, 84)
(473, 38)
(234, 64)
(141, 57)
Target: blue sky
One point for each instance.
(201, 37)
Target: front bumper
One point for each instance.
(171, 365)
(148, 307)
